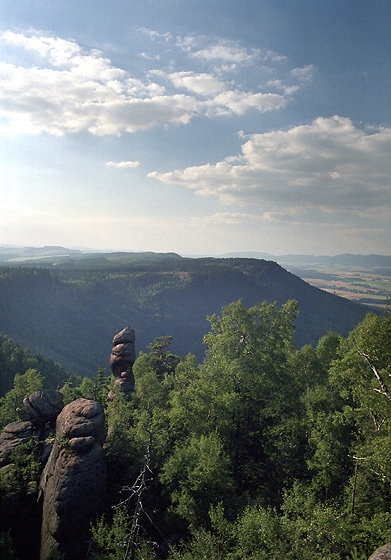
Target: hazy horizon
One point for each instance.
(186, 255)
(196, 127)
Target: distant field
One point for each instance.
(364, 286)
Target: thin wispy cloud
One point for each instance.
(123, 164)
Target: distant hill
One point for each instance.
(346, 260)
(70, 308)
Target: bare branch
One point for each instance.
(384, 390)
(377, 424)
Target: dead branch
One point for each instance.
(384, 390)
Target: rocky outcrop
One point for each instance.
(44, 406)
(40, 409)
(74, 480)
(72, 488)
(20, 511)
(81, 418)
(123, 356)
(13, 435)
(382, 553)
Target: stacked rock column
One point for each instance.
(123, 356)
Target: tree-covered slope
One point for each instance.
(17, 360)
(70, 310)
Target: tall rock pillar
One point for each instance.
(123, 356)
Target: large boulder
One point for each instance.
(13, 435)
(19, 511)
(44, 406)
(382, 553)
(81, 418)
(74, 480)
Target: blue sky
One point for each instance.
(199, 127)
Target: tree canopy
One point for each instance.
(260, 451)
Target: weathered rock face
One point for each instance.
(74, 480)
(382, 553)
(13, 435)
(81, 418)
(123, 356)
(21, 512)
(44, 406)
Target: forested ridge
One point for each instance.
(260, 450)
(68, 310)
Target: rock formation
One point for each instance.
(44, 406)
(20, 511)
(123, 356)
(382, 553)
(72, 464)
(74, 480)
(41, 410)
(13, 435)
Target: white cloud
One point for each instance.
(155, 35)
(223, 98)
(329, 164)
(81, 92)
(201, 84)
(227, 52)
(122, 164)
(279, 85)
(304, 74)
(66, 89)
(240, 101)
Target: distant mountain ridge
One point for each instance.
(70, 309)
(60, 255)
(343, 259)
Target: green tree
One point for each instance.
(198, 475)
(361, 375)
(24, 385)
(247, 381)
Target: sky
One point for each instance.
(202, 127)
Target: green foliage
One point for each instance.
(203, 546)
(249, 390)
(125, 441)
(96, 388)
(198, 475)
(356, 555)
(24, 468)
(110, 539)
(73, 309)
(260, 451)
(24, 385)
(16, 360)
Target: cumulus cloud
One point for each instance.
(330, 163)
(72, 91)
(123, 164)
(66, 89)
(221, 98)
